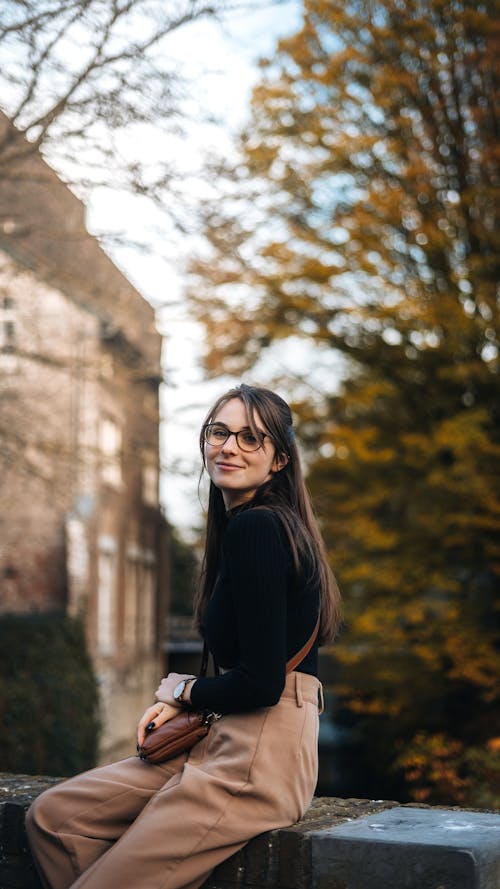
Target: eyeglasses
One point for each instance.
(216, 435)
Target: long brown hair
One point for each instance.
(285, 493)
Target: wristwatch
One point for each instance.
(180, 688)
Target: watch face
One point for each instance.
(179, 688)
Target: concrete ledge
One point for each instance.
(339, 844)
(411, 848)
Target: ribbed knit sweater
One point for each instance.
(259, 616)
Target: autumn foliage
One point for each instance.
(362, 217)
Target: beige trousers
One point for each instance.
(138, 826)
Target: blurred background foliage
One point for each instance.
(48, 696)
(361, 216)
(184, 565)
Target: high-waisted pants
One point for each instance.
(138, 826)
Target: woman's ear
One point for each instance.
(280, 461)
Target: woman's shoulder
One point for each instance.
(255, 520)
(256, 533)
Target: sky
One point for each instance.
(220, 59)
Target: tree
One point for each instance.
(88, 81)
(184, 571)
(362, 216)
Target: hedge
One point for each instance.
(48, 696)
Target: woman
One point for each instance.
(265, 579)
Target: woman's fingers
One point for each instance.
(167, 713)
(150, 716)
(154, 716)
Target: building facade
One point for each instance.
(81, 528)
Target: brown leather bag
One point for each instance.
(184, 730)
(175, 736)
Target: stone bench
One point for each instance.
(339, 844)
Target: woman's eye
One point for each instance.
(249, 438)
(219, 433)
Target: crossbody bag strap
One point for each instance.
(204, 662)
(290, 665)
(297, 658)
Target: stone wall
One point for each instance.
(339, 844)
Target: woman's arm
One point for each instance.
(257, 566)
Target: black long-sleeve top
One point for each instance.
(260, 615)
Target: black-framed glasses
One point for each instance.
(217, 434)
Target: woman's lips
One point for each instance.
(228, 466)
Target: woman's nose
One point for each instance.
(230, 445)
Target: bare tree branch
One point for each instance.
(79, 78)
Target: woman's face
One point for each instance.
(238, 473)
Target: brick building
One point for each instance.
(81, 529)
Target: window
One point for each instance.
(110, 443)
(147, 630)
(106, 597)
(150, 484)
(132, 588)
(139, 628)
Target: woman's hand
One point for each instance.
(155, 716)
(165, 690)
